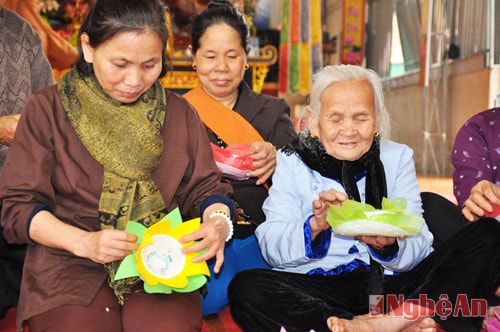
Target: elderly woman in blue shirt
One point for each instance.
(322, 280)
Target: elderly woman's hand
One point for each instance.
(377, 242)
(482, 196)
(321, 207)
(264, 156)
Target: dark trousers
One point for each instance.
(442, 217)
(468, 263)
(11, 268)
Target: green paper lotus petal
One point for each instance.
(127, 268)
(397, 204)
(349, 210)
(411, 224)
(136, 228)
(194, 282)
(158, 288)
(174, 216)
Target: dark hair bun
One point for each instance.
(219, 4)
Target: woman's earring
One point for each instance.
(89, 67)
(376, 134)
(194, 66)
(313, 135)
(246, 66)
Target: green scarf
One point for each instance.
(125, 139)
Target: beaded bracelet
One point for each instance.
(226, 217)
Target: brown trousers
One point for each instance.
(141, 312)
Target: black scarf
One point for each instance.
(347, 173)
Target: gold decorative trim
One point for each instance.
(178, 79)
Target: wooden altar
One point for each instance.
(183, 77)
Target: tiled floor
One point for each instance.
(440, 185)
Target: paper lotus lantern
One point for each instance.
(159, 260)
(353, 218)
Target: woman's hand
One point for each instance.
(321, 207)
(377, 242)
(211, 236)
(106, 246)
(8, 126)
(103, 246)
(264, 156)
(482, 196)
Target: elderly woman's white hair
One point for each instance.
(340, 73)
